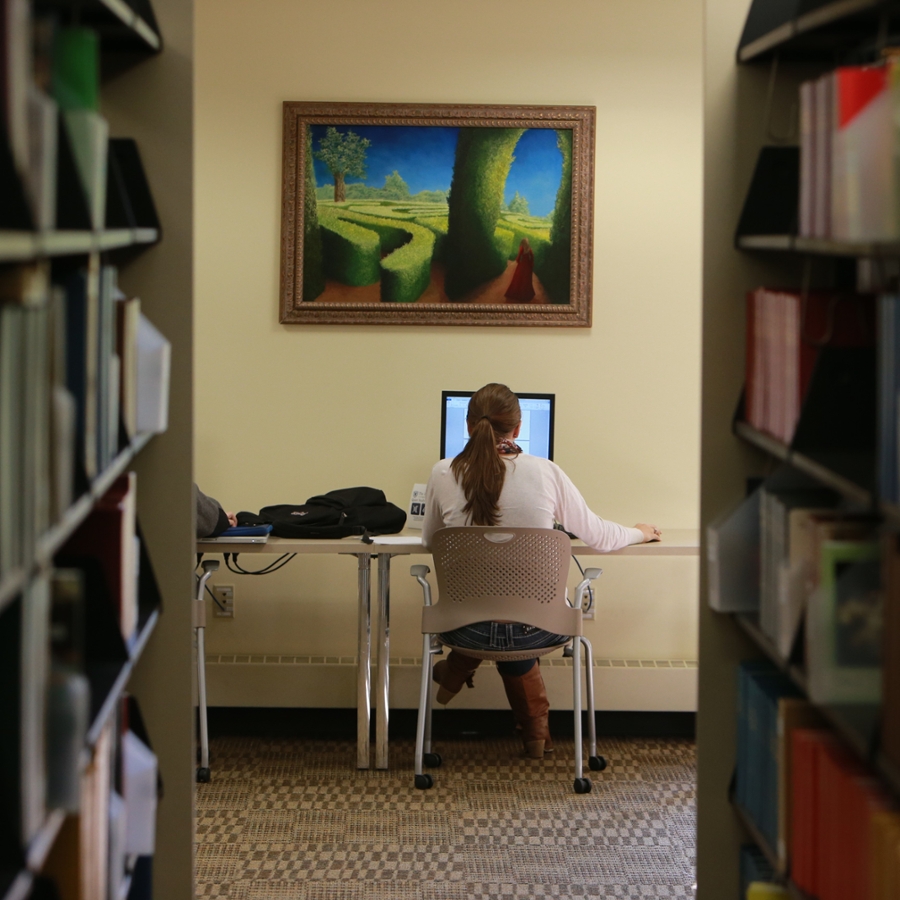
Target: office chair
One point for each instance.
(199, 621)
(514, 574)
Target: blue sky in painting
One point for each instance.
(423, 155)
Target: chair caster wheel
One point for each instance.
(432, 760)
(423, 782)
(597, 763)
(582, 785)
(203, 775)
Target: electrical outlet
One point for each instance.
(587, 609)
(224, 593)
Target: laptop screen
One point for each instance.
(535, 436)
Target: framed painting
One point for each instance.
(399, 214)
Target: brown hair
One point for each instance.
(493, 414)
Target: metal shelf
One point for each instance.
(818, 246)
(21, 246)
(816, 35)
(806, 464)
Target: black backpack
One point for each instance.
(337, 514)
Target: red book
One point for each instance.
(108, 534)
(838, 876)
(785, 331)
(804, 806)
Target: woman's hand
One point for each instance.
(232, 519)
(650, 532)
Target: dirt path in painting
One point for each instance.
(489, 293)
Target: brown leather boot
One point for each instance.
(452, 673)
(528, 699)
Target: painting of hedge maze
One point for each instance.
(405, 214)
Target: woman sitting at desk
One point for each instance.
(491, 482)
(212, 520)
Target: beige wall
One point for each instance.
(286, 412)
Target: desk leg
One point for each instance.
(364, 666)
(384, 660)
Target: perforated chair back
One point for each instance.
(487, 573)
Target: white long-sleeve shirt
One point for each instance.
(536, 494)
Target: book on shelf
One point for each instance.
(118, 863)
(88, 133)
(843, 624)
(732, 556)
(786, 331)
(25, 410)
(783, 557)
(17, 66)
(82, 356)
(33, 721)
(69, 697)
(108, 369)
(63, 415)
(139, 786)
(888, 397)
(79, 860)
(864, 190)
(848, 145)
(108, 534)
(807, 216)
(76, 68)
(761, 690)
(890, 678)
(847, 800)
(128, 313)
(43, 152)
(154, 354)
(11, 446)
(823, 117)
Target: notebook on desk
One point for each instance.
(242, 534)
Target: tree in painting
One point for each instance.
(519, 204)
(395, 188)
(345, 156)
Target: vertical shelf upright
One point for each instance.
(756, 56)
(146, 57)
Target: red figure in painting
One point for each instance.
(521, 288)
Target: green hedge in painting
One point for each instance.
(313, 267)
(352, 254)
(554, 267)
(481, 166)
(407, 250)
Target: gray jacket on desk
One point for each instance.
(211, 518)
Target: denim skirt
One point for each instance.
(503, 636)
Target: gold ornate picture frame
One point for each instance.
(435, 214)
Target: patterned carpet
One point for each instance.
(291, 819)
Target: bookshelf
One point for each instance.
(146, 79)
(757, 55)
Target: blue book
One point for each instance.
(745, 726)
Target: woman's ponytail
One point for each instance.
(479, 469)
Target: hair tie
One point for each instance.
(486, 417)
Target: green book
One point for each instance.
(76, 69)
(844, 624)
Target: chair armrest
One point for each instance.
(589, 576)
(419, 573)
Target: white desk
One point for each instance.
(685, 542)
